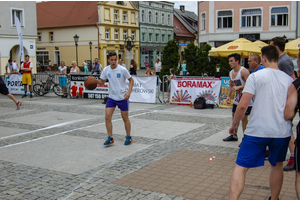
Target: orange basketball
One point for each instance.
(90, 83)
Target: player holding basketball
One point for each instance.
(118, 96)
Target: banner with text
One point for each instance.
(223, 95)
(144, 89)
(185, 90)
(77, 89)
(14, 83)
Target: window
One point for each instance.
(125, 16)
(163, 38)
(150, 16)
(225, 19)
(150, 37)
(169, 37)
(279, 16)
(156, 37)
(169, 19)
(203, 22)
(116, 34)
(143, 15)
(19, 14)
(143, 37)
(43, 57)
(251, 18)
(133, 35)
(124, 35)
(119, 2)
(107, 34)
(116, 14)
(51, 36)
(156, 18)
(39, 37)
(162, 18)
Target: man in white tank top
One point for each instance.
(238, 76)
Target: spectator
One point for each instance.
(86, 69)
(184, 71)
(26, 68)
(148, 72)
(74, 69)
(133, 67)
(254, 63)
(12, 68)
(97, 67)
(121, 63)
(172, 75)
(62, 71)
(38, 66)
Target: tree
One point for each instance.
(170, 59)
(192, 58)
(224, 66)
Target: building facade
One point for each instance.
(118, 23)
(57, 28)
(156, 29)
(224, 21)
(9, 40)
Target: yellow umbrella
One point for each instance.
(292, 47)
(241, 46)
(260, 44)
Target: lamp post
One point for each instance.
(90, 43)
(76, 37)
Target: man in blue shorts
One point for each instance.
(267, 126)
(118, 95)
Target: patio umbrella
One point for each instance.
(292, 47)
(260, 44)
(241, 46)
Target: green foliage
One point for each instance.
(191, 54)
(170, 58)
(224, 66)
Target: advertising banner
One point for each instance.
(185, 90)
(144, 89)
(18, 27)
(223, 95)
(77, 89)
(14, 83)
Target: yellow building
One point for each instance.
(118, 20)
(57, 27)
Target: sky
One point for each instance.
(189, 5)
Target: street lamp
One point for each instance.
(90, 43)
(129, 43)
(76, 37)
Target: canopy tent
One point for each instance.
(241, 46)
(292, 47)
(260, 44)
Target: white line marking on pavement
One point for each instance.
(197, 114)
(61, 133)
(49, 127)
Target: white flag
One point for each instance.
(18, 26)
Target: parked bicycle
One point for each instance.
(45, 87)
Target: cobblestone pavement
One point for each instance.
(20, 181)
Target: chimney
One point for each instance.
(182, 8)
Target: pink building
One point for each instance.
(223, 21)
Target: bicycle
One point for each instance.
(46, 86)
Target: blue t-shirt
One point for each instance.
(184, 67)
(260, 67)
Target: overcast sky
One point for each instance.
(189, 5)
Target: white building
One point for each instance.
(9, 40)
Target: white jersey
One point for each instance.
(12, 67)
(117, 81)
(270, 88)
(237, 81)
(61, 70)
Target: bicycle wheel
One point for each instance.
(38, 90)
(57, 90)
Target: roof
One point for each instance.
(185, 18)
(180, 30)
(53, 14)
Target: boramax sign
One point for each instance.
(186, 90)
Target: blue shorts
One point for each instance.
(247, 112)
(123, 105)
(253, 149)
(62, 81)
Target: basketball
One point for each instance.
(90, 83)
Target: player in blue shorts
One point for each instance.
(267, 126)
(118, 95)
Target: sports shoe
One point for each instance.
(290, 165)
(167, 101)
(24, 96)
(270, 198)
(128, 140)
(109, 141)
(267, 154)
(231, 138)
(19, 105)
(31, 96)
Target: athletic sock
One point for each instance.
(25, 94)
(30, 93)
(292, 155)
